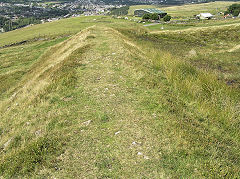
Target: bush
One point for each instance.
(226, 12)
(154, 16)
(167, 18)
(234, 9)
(236, 12)
(147, 16)
(151, 16)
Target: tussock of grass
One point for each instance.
(199, 107)
(43, 151)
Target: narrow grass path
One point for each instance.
(115, 141)
(129, 123)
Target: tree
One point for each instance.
(167, 18)
(147, 16)
(234, 9)
(154, 16)
(226, 12)
(236, 12)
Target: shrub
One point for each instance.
(147, 16)
(236, 12)
(154, 16)
(234, 9)
(167, 18)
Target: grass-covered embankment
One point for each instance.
(117, 102)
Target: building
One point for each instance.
(141, 12)
(204, 16)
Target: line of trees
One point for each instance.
(155, 16)
(8, 24)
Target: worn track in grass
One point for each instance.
(119, 115)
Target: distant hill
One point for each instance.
(122, 1)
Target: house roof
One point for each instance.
(206, 14)
(152, 11)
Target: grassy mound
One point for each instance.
(117, 101)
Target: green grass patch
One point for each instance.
(41, 152)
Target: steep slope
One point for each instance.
(107, 104)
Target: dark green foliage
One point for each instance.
(155, 16)
(151, 16)
(234, 9)
(236, 12)
(147, 16)
(167, 18)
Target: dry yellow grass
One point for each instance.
(48, 62)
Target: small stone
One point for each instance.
(134, 143)
(192, 53)
(67, 99)
(86, 123)
(14, 95)
(28, 123)
(116, 133)
(146, 157)
(139, 153)
(7, 143)
(37, 133)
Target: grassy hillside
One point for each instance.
(117, 100)
(183, 11)
(63, 27)
(194, 9)
(193, 25)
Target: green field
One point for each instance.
(193, 25)
(64, 27)
(184, 11)
(194, 9)
(97, 97)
